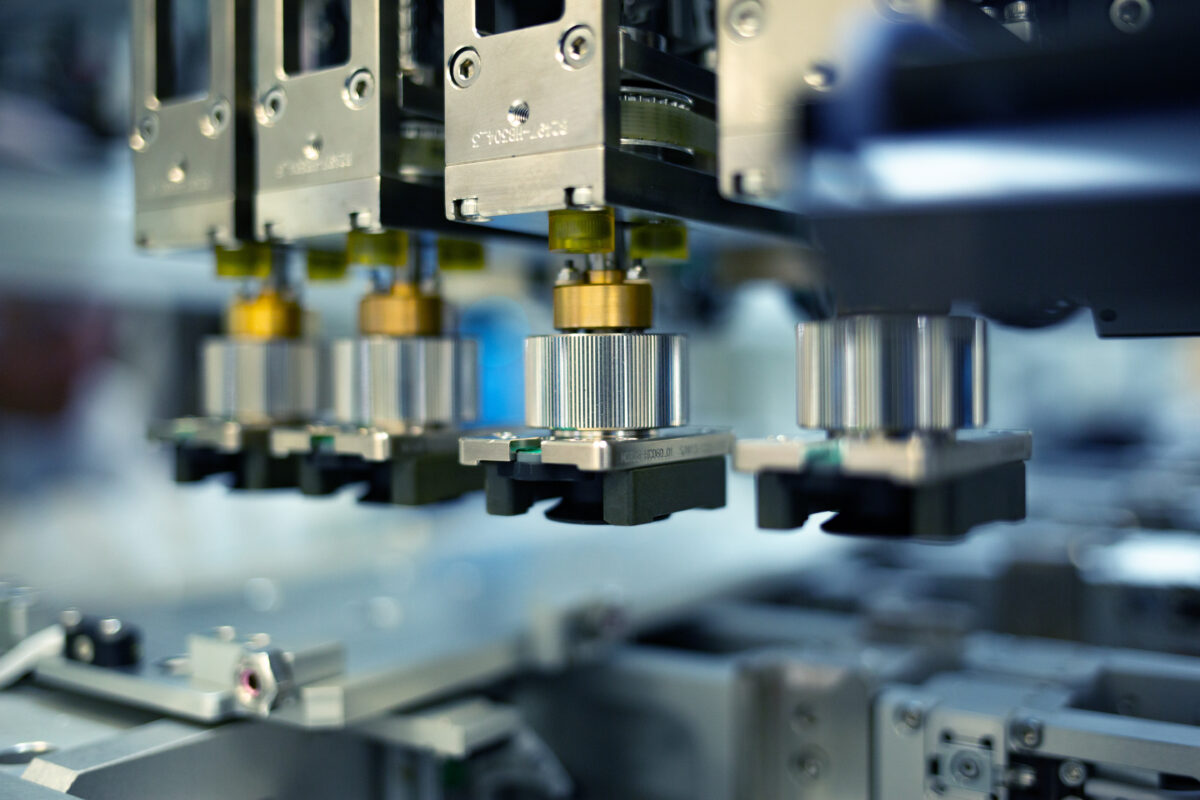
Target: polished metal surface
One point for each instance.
(534, 128)
(598, 453)
(606, 381)
(318, 134)
(369, 444)
(915, 459)
(769, 55)
(185, 152)
(892, 373)
(222, 435)
(404, 383)
(258, 382)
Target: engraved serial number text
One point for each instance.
(525, 133)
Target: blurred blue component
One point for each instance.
(500, 326)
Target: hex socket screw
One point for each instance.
(465, 67)
(577, 47)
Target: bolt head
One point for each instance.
(911, 716)
(581, 197)
(359, 89)
(216, 121)
(1131, 16)
(465, 67)
(1072, 773)
(144, 133)
(84, 649)
(752, 183)
(746, 18)
(260, 680)
(1018, 11)
(271, 106)
(1027, 732)
(820, 77)
(967, 767)
(577, 47)
(467, 208)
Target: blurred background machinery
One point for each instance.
(479, 258)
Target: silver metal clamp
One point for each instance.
(401, 383)
(892, 373)
(606, 381)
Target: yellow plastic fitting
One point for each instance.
(384, 249)
(583, 232)
(249, 260)
(658, 241)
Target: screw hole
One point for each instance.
(518, 113)
(251, 683)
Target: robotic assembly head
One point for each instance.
(921, 169)
(343, 125)
(648, 132)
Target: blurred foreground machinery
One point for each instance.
(949, 164)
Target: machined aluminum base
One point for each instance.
(933, 487)
(910, 460)
(611, 480)
(406, 469)
(206, 447)
(600, 453)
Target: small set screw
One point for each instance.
(1027, 732)
(465, 67)
(578, 47)
(746, 18)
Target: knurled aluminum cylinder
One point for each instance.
(892, 373)
(606, 381)
(260, 381)
(398, 383)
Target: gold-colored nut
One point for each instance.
(269, 315)
(664, 241)
(384, 249)
(460, 254)
(250, 260)
(326, 265)
(603, 300)
(402, 311)
(583, 232)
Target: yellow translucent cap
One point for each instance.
(385, 249)
(583, 232)
(664, 241)
(460, 254)
(326, 265)
(249, 260)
